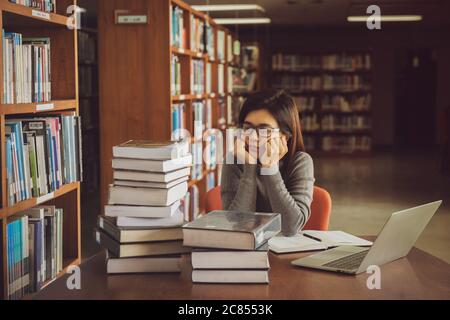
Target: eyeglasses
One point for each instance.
(262, 131)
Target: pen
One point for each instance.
(311, 237)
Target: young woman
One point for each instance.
(259, 184)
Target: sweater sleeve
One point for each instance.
(239, 188)
(292, 199)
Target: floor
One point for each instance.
(365, 192)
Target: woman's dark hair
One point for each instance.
(283, 108)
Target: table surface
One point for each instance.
(418, 276)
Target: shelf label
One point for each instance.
(40, 14)
(182, 97)
(45, 198)
(181, 50)
(212, 95)
(131, 17)
(199, 96)
(199, 54)
(45, 107)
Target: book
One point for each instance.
(230, 259)
(230, 276)
(177, 220)
(143, 249)
(138, 234)
(119, 195)
(232, 230)
(42, 5)
(143, 265)
(151, 176)
(315, 240)
(146, 184)
(155, 150)
(162, 166)
(141, 211)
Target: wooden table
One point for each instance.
(419, 276)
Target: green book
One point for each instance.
(30, 139)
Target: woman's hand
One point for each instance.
(241, 153)
(275, 150)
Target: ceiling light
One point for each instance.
(229, 7)
(396, 18)
(243, 21)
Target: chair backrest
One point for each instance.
(320, 207)
(320, 211)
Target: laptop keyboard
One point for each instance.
(350, 263)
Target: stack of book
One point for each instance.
(43, 5)
(231, 247)
(141, 228)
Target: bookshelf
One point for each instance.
(64, 86)
(152, 82)
(333, 92)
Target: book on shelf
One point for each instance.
(232, 230)
(208, 84)
(162, 166)
(221, 78)
(341, 103)
(42, 154)
(141, 211)
(155, 150)
(34, 250)
(178, 31)
(42, 5)
(190, 204)
(210, 45)
(347, 144)
(221, 46)
(178, 121)
(87, 52)
(141, 249)
(138, 234)
(229, 48)
(132, 196)
(345, 123)
(175, 75)
(26, 69)
(197, 35)
(87, 83)
(349, 62)
(197, 168)
(169, 264)
(197, 76)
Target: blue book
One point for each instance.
(9, 171)
(9, 249)
(16, 130)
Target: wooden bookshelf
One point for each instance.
(31, 23)
(315, 98)
(135, 79)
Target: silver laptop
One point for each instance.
(395, 240)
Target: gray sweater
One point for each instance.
(245, 189)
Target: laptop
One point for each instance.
(395, 241)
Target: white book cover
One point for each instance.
(177, 220)
(141, 211)
(151, 176)
(143, 184)
(152, 165)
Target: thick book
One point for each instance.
(152, 165)
(141, 211)
(232, 230)
(146, 184)
(151, 176)
(177, 220)
(230, 276)
(154, 150)
(210, 259)
(143, 265)
(144, 249)
(146, 196)
(136, 234)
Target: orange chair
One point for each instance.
(320, 207)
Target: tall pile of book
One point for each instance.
(34, 246)
(42, 154)
(141, 228)
(26, 69)
(231, 247)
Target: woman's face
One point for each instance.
(264, 126)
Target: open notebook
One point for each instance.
(315, 240)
